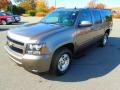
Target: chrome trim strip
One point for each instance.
(13, 53)
(15, 60)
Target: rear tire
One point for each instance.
(61, 61)
(3, 22)
(104, 40)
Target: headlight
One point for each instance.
(36, 49)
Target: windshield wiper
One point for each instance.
(53, 23)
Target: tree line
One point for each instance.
(37, 7)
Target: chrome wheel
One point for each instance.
(64, 62)
(4, 22)
(61, 61)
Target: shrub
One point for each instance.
(19, 11)
(31, 12)
(25, 5)
(40, 14)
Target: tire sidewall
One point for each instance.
(3, 22)
(56, 58)
(101, 44)
(105, 36)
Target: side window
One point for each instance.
(97, 16)
(0, 14)
(85, 15)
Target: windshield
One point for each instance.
(2, 14)
(66, 18)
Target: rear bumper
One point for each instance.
(10, 21)
(30, 62)
(17, 19)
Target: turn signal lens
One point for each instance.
(43, 50)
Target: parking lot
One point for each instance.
(97, 69)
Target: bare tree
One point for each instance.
(91, 4)
(100, 5)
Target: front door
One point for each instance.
(84, 33)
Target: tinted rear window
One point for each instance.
(106, 15)
(2, 14)
(96, 16)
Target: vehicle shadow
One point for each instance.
(96, 62)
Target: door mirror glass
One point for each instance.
(85, 23)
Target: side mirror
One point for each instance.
(85, 24)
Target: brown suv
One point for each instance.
(50, 44)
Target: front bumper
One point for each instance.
(30, 62)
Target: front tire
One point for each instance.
(104, 40)
(61, 61)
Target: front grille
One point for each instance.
(15, 45)
(15, 41)
(18, 50)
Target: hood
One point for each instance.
(33, 31)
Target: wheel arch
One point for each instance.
(108, 31)
(70, 46)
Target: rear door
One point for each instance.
(97, 31)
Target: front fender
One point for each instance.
(59, 39)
